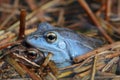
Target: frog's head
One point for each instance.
(46, 39)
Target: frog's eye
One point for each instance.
(51, 37)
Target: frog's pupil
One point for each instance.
(51, 37)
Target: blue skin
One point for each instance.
(65, 47)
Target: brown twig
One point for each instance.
(7, 20)
(52, 76)
(69, 67)
(105, 73)
(83, 74)
(22, 24)
(8, 11)
(3, 15)
(16, 66)
(89, 71)
(115, 77)
(80, 70)
(31, 73)
(48, 58)
(11, 15)
(9, 44)
(61, 18)
(53, 68)
(64, 74)
(108, 9)
(32, 4)
(113, 55)
(94, 68)
(102, 8)
(94, 19)
(118, 8)
(28, 31)
(28, 61)
(84, 68)
(79, 66)
(110, 63)
(8, 39)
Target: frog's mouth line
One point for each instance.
(42, 49)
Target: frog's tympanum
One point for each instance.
(63, 43)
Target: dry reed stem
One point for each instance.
(94, 19)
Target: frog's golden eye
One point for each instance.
(51, 37)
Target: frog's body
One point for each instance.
(64, 43)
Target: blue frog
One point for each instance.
(63, 43)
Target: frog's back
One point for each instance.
(80, 38)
